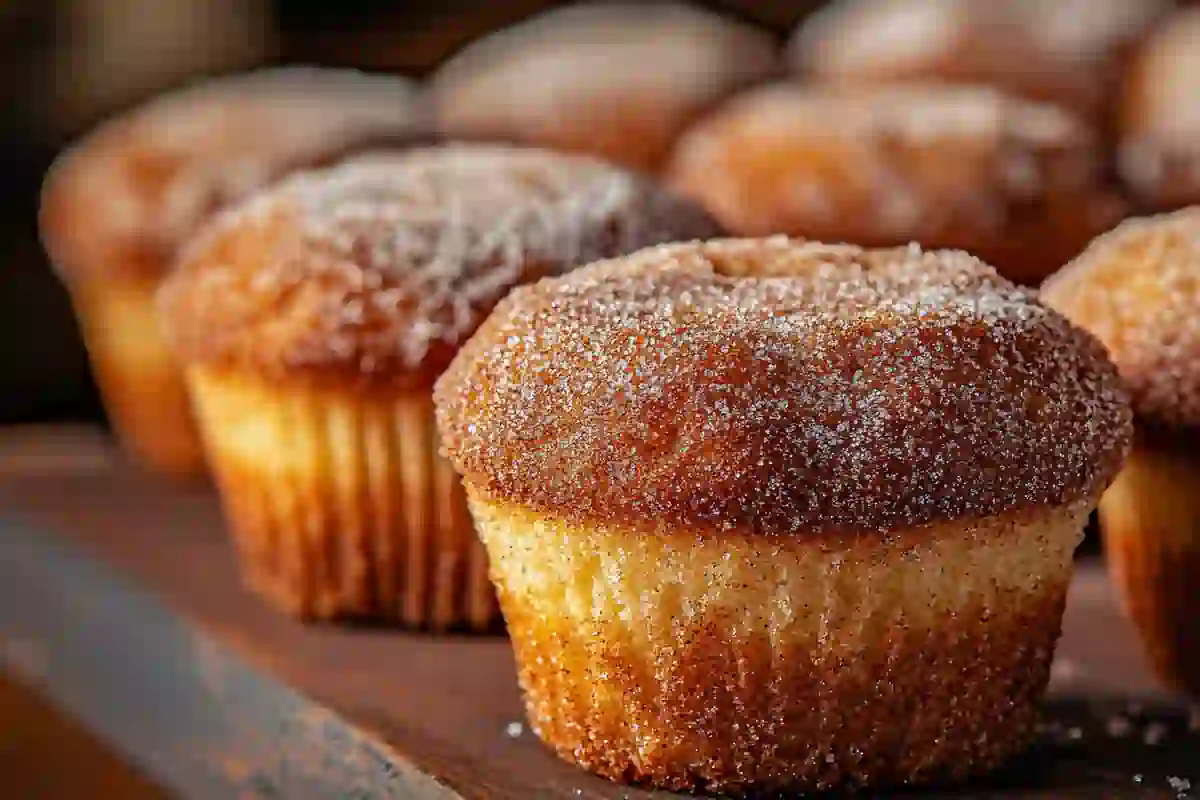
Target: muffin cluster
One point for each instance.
(709, 362)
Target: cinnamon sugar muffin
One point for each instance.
(312, 322)
(1067, 52)
(1160, 116)
(1016, 183)
(117, 205)
(614, 79)
(772, 515)
(1136, 288)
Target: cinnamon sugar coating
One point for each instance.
(1018, 183)
(1136, 289)
(123, 199)
(780, 387)
(377, 269)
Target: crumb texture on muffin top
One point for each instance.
(162, 168)
(1137, 289)
(379, 268)
(780, 387)
(962, 167)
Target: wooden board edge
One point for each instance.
(189, 712)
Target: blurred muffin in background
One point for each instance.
(1063, 52)
(1136, 289)
(1018, 183)
(1160, 116)
(117, 205)
(313, 321)
(617, 80)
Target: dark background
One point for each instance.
(64, 65)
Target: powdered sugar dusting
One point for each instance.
(783, 387)
(388, 260)
(1137, 288)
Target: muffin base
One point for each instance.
(734, 664)
(340, 504)
(140, 382)
(1150, 522)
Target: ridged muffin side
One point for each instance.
(772, 515)
(144, 392)
(341, 505)
(735, 663)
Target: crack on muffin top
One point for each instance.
(1137, 289)
(783, 387)
(379, 268)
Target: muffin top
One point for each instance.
(1047, 51)
(782, 387)
(616, 79)
(949, 166)
(121, 201)
(1137, 289)
(1160, 116)
(377, 269)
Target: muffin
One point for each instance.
(1017, 183)
(312, 321)
(117, 205)
(1160, 116)
(617, 80)
(1136, 289)
(1063, 52)
(768, 515)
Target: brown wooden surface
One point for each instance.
(450, 707)
(37, 743)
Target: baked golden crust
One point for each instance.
(1019, 184)
(1061, 52)
(741, 665)
(122, 200)
(614, 79)
(376, 270)
(1149, 518)
(1135, 289)
(781, 387)
(1159, 150)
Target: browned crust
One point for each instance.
(1149, 518)
(855, 390)
(121, 201)
(1159, 158)
(1062, 53)
(1017, 183)
(618, 80)
(374, 271)
(1135, 289)
(366, 523)
(736, 715)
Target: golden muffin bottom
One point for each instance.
(737, 664)
(340, 505)
(1149, 519)
(140, 382)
